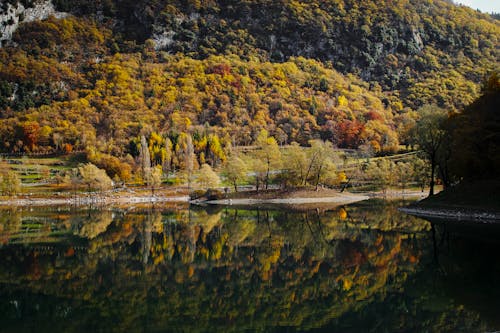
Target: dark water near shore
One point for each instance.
(360, 268)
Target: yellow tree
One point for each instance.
(235, 170)
(294, 164)
(206, 178)
(94, 178)
(10, 183)
(268, 153)
(145, 160)
(185, 154)
(321, 162)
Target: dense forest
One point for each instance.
(201, 77)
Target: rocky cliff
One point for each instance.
(15, 13)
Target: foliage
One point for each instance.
(217, 100)
(10, 183)
(195, 79)
(430, 52)
(235, 170)
(430, 136)
(268, 157)
(206, 178)
(474, 136)
(94, 178)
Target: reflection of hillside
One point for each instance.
(251, 269)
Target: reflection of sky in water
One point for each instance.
(341, 269)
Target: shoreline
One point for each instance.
(340, 198)
(455, 214)
(301, 197)
(21, 202)
(474, 201)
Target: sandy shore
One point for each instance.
(340, 198)
(301, 197)
(398, 194)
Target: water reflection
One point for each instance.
(182, 268)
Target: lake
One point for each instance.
(364, 267)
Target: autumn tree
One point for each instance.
(184, 150)
(145, 160)
(10, 183)
(155, 180)
(294, 165)
(157, 148)
(31, 133)
(206, 177)
(235, 170)
(167, 162)
(430, 134)
(94, 178)
(268, 153)
(321, 162)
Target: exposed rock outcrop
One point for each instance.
(13, 15)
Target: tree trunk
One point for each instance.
(433, 167)
(267, 173)
(318, 175)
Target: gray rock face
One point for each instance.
(12, 16)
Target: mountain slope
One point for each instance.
(411, 46)
(116, 69)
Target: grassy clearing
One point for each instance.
(39, 170)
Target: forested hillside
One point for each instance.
(428, 51)
(69, 88)
(353, 73)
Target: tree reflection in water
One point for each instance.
(184, 268)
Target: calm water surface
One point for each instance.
(359, 268)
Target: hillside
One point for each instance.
(100, 73)
(428, 51)
(62, 82)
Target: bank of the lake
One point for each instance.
(118, 197)
(181, 194)
(468, 201)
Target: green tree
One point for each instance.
(382, 173)
(321, 161)
(404, 173)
